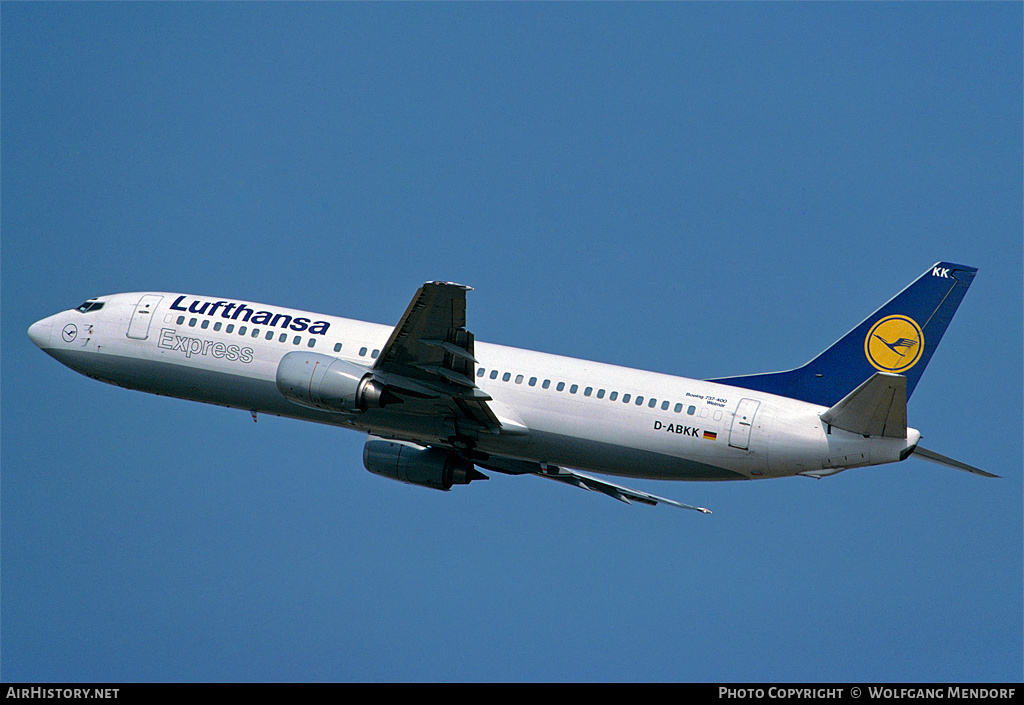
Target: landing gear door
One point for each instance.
(139, 326)
(742, 422)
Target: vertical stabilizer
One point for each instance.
(899, 338)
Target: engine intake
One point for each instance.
(437, 468)
(331, 384)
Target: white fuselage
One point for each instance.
(558, 410)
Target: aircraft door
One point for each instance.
(138, 328)
(742, 422)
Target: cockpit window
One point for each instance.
(90, 306)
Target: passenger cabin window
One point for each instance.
(312, 343)
(494, 374)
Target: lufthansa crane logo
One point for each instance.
(894, 344)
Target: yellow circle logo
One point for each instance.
(894, 344)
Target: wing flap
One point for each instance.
(450, 348)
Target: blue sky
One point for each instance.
(700, 189)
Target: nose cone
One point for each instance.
(39, 332)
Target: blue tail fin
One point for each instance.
(898, 338)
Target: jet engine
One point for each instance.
(438, 468)
(331, 384)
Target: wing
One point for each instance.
(511, 466)
(430, 354)
(623, 494)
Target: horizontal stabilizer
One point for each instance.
(878, 407)
(949, 462)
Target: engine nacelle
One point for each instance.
(429, 467)
(331, 384)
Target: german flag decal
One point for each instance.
(710, 436)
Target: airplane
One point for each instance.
(440, 407)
